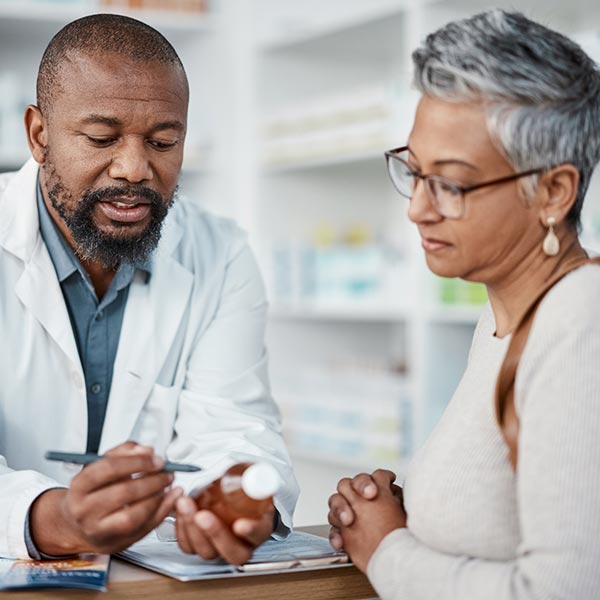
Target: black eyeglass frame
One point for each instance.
(462, 189)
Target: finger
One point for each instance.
(129, 448)
(254, 531)
(168, 505)
(231, 548)
(108, 470)
(397, 492)
(335, 539)
(114, 497)
(131, 519)
(198, 543)
(180, 528)
(345, 489)
(161, 512)
(384, 478)
(364, 485)
(340, 512)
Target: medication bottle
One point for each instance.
(245, 490)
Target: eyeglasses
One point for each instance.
(447, 197)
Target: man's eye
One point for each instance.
(162, 145)
(100, 141)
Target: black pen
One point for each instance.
(86, 459)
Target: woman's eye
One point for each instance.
(448, 188)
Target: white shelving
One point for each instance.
(340, 311)
(249, 61)
(305, 54)
(36, 15)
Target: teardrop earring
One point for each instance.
(551, 245)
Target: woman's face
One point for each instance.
(498, 229)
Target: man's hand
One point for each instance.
(109, 505)
(202, 532)
(362, 512)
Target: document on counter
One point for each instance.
(298, 551)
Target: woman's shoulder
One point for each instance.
(574, 301)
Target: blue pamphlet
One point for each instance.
(86, 571)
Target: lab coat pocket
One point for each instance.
(154, 426)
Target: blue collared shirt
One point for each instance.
(96, 323)
(96, 327)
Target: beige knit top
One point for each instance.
(476, 530)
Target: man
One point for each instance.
(111, 341)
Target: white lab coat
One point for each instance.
(190, 374)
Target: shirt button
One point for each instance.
(99, 315)
(96, 388)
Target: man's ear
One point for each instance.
(557, 192)
(37, 133)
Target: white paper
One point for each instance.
(167, 558)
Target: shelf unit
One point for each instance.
(302, 58)
(248, 60)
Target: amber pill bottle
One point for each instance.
(245, 490)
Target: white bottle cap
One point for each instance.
(260, 481)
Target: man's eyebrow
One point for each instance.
(114, 122)
(93, 118)
(169, 125)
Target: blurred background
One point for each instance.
(292, 106)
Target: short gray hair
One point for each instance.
(542, 91)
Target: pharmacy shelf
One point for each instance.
(339, 311)
(370, 157)
(460, 314)
(398, 466)
(298, 33)
(45, 14)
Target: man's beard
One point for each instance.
(93, 244)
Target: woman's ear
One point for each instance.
(557, 192)
(37, 133)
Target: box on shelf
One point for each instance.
(13, 143)
(191, 6)
(346, 413)
(456, 291)
(333, 269)
(355, 123)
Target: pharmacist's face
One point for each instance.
(115, 134)
(498, 229)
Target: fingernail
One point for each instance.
(204, 520)
(345, 517)
(241, 527)
(370, 489)
(335, 542)
(158, 461)
(185, 505)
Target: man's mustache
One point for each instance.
(139, 194)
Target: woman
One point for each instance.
(505, 139)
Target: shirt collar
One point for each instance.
(65, 261)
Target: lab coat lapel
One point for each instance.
(39, 291)
(38, 287)
(152, 318)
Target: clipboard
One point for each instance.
(299, 551)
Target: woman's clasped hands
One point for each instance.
(363, 511)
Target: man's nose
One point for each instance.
(130, 162)
(420, 207)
